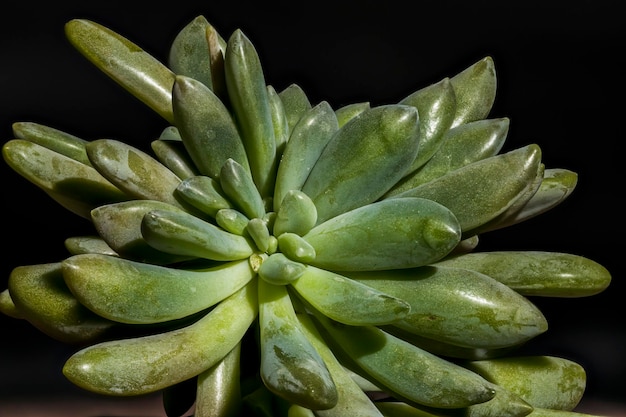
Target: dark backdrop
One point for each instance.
(560, 73)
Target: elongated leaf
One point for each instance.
(538, 273)
(390, 234)
(127, 366)
(351, 400)
(251, 105)
(133, 171)
(133, 292)
(295, 103)
(436, 105)
(348, 301)
(183, 234)
(119, 225)
(125, 62)
(290, 366)
(450, 304)
(208, 144)
(363, 160)
(219, 393)
(53, 139)
(172, 154)
(542, 381)
(406, 371)
(76, 186)
(459, 147)
(475, 91)
(306, 143)
(42, 297)
(190, 52)
(478, 192)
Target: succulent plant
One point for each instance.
(272, 256)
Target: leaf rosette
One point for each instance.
(333, 252)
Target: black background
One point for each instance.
(560, 75)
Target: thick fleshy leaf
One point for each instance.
(133, 171)
(436, 105)
(190, 52)
(173, 154)
(218, 391)
(204, 193)
(78, 245)
(42, 297)
(389, 234)
(295, 103)
(542, 381)
(127, 366)
(349, 111)
(308, 139)
(53, 139)
(183, 234)
(478, 192)
(459, 147)
(348, 301)
(209, 144)
(134, 292)
(363, 160)
(537, 273)
(290, 366)
(475, 91)
(76, 186)
(126, 63)
(406, 371)
(351, 399)
(447, 304)
(555, 186)
(120, 226)
(239, 187)
(250, 102)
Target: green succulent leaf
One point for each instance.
(134, 292)
(204, 193)
(554, 187)
(180, 233)
(295, 104)
(475, 91)
(218, 392)
(389, 234)
(436, 105)
(127, 366)
(351, 399)
(343, 179)
(190, 53)
(53, 139)
(194, 104)
(126, 63)
(349, 111)
(459, 147)
(134, 171)
(76, 186)
(446, 304)
(537, 273)
(172, 154)
(119, 225)
(308, 139)
(250, 102)
(542, 381)
(290, 366)
(78, 245)
(480, 191)
(406, 371)
(42, 297)
(348, 301)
